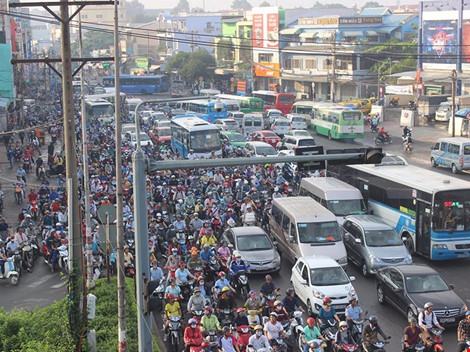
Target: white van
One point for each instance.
(280, 126)
(452, 152)
(297, 122)
(303, 227)
(337, 196)
(252, 123)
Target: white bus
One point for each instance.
(430, 210)
(193, 133)
(100, 110)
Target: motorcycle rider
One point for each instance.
(156, 273)
(258, 340)
(311, 333)
(327, 313)
(206, 254)
(196, 302)
(172, 289)
(208, 238)
(427, 319)
(221, 283)
(237, 266)
(253, 301)
(183, 275)
(194, 262)
(228, 343)
(192, 335)
(382, 135)
(291, 302)
(128, 257)
(240, 317)
(273, 329)
(225, 300)
(196, 224)
(343, 336)
(463, 332)
(179, 224)
(268, 286)
(370, 334)
(282, 315)
(224, 252)
(172, 310)
(411, 335)
(3, 258)
(209, 321)
(174, 259)
(353, 312)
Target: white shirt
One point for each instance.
(273, 330)
(427, 320)
(259, 342)
(227, 344)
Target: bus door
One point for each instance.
(423, 228)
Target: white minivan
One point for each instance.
(303, 227)
(252, 123)
(340, 198)
(280, 126)
(452, 152)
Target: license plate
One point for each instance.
(340, 306)
(447, 320)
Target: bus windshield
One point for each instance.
(303, 109)
(102, 110)
(451, 211)
(351, 115)
(204, 141)
(286, 99)
(319, 232)
(346, 207)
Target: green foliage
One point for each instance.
(183, 6)
(44, 329)
(241, 5)
(382, 53)
(319, 5)
(94, 40)
(191, 66)
(369, 4)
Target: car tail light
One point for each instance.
(461, 161)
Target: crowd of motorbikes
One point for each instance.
(382, 137)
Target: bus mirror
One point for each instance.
(218, 106)
(291, 239)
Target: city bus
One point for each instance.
(247, 104)
(148, 84)
(111, 98)
(274, 100)
(430, 210)
(205, 109)
(99, 109)
(338, 122)
(308, 107)
(193, 133)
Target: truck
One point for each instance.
(428, 105)
(444, 111)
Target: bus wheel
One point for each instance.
(329, 135)
(408, 242)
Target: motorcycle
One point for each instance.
(378, 346)
(158, 295)
(12, 270)
(244, 333)
(213, 340)
(186, 289)
(348, 347)
(129, 270)
(225, 317)
(419, 347)
(467, 348)
(407, 142)
(268, 302)
(174, 332)
(278, 345)
(63, 259)
(383, 139)
(437, 342)
(42, 173)
(27, 255)
(241, 284)
(358, 327)
(34, 210)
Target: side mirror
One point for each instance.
(352, 278)
(397, 289)
(358, 240)
(451, 286)
(291, 239)
(275, 243)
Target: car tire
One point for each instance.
(433, 162)
(380, 295)
(364, 269)
(454, 169)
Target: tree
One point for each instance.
(241, 5)
(319, 5)
(265, 4)
(177, 61)
(200, 64)
(183, 6)
(94, 40)
(371, 4)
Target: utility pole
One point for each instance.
(454, 86)
(107, 247)
(121, 280)
(74, 223)
(86, 181)
(333, 71)
(144, 322)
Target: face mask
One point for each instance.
(193, 326)
(259, 333)
(201, 283)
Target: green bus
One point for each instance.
(338, 122)
(247, 104)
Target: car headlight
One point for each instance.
(374, 259)
(439, 246)
(277, 260)
(318, 294)
(408, 259)
(343, 260)
(352, 292)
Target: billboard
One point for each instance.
(265, 32)
(466, 41)
(267, 69)
(440, 44)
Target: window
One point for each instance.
(443, 147)
(453, 149)
(288, 64)
(466, 149)
(319, 232)
(285, 223)
(265, 57)
(229, 236)
(277, 215)
(299, 267)
(305, 273)
(310, 64)
(436, 146)
(451, 211)
(297, 64)
(326, 64)
(396, 279)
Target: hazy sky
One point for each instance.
(213, 5)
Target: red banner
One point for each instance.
(241, 86)
(273, 30)
(258, 31)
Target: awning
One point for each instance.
(387, 29)
(290, 31)
(371, 33)
(325, 34)
(351, 33)
(308, 35)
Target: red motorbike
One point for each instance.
(348, 347)
(437, 342)
(243, 335)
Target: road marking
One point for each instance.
(41, 281)
(62, 284)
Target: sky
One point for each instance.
(214, 5)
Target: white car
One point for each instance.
(280, 126)
(260, 149)
(317, 277)
(273, 114)
(144, 139)
(297, 122)
(299, 133)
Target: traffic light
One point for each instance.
(368, 156)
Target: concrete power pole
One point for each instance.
(74, 224)
(333, 71)
(121, 280)
(454, 88)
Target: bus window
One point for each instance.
(451, 211)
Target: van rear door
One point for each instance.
(466, 155)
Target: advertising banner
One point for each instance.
(466, 41)
(273, 30)
(440, 42)
(258, 31)
(267, 69)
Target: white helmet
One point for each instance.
(428, 305)
(237, 254)
(231, 222)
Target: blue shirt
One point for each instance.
(206, 255)
(175, 291)
(353, 313)
(156, 274)
(221, 283)
(324, 315)
(181, 275)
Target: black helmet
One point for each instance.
(373, 320)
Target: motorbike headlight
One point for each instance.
(318, 294)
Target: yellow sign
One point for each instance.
(267, 69)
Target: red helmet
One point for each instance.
(311, 321)
(326, 300)
(222, 273)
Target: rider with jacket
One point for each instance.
(371, 332)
